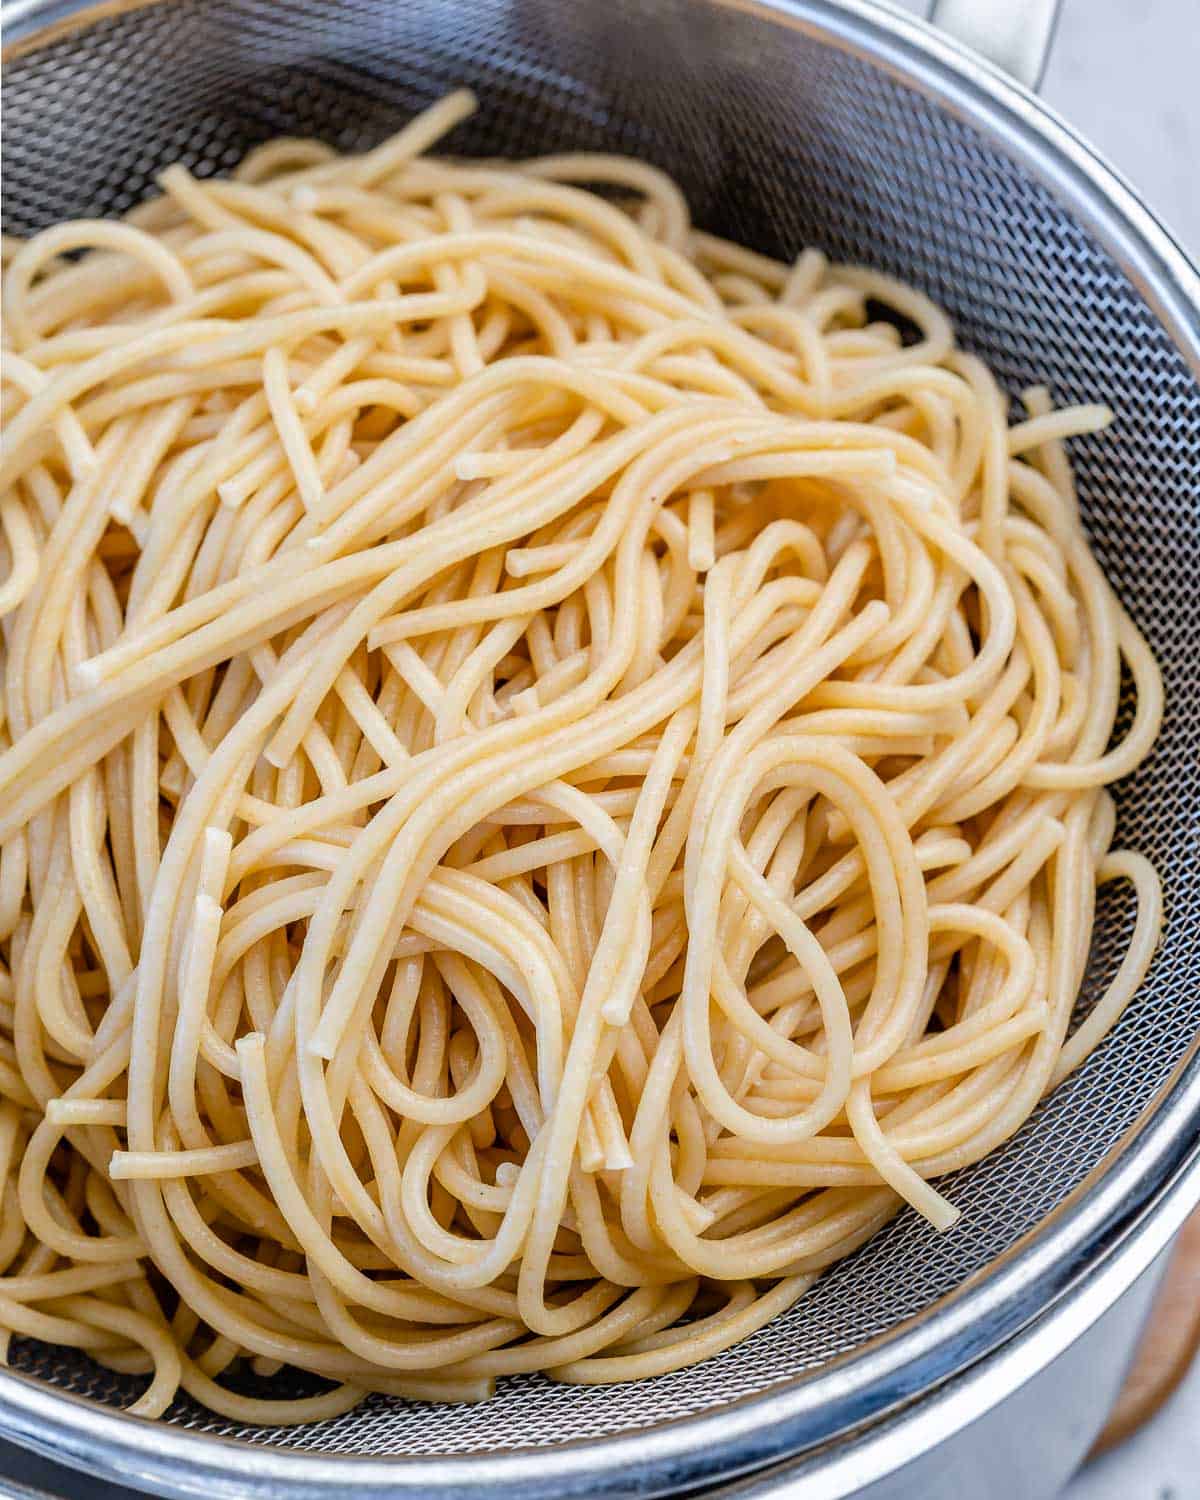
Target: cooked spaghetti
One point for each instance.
(554, 774)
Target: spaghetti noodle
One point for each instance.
(554, 775)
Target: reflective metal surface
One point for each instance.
(1013, 34)
(787, 124)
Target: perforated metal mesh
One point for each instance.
(780, 141)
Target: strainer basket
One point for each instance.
(786, 124)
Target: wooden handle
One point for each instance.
(1168, 1343)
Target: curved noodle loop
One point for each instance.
(553, 775)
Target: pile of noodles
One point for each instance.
(554, 775)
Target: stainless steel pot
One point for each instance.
(973, 1365)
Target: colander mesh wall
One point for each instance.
(780, 141)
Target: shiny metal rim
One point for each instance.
(852, 1464)
(1087, 1251)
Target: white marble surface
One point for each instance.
(1124, 73)
(1162, 1462)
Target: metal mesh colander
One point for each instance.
(781, 137)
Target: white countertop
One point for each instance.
(1162, 1462)
(1125, 74)
(1144, 118)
